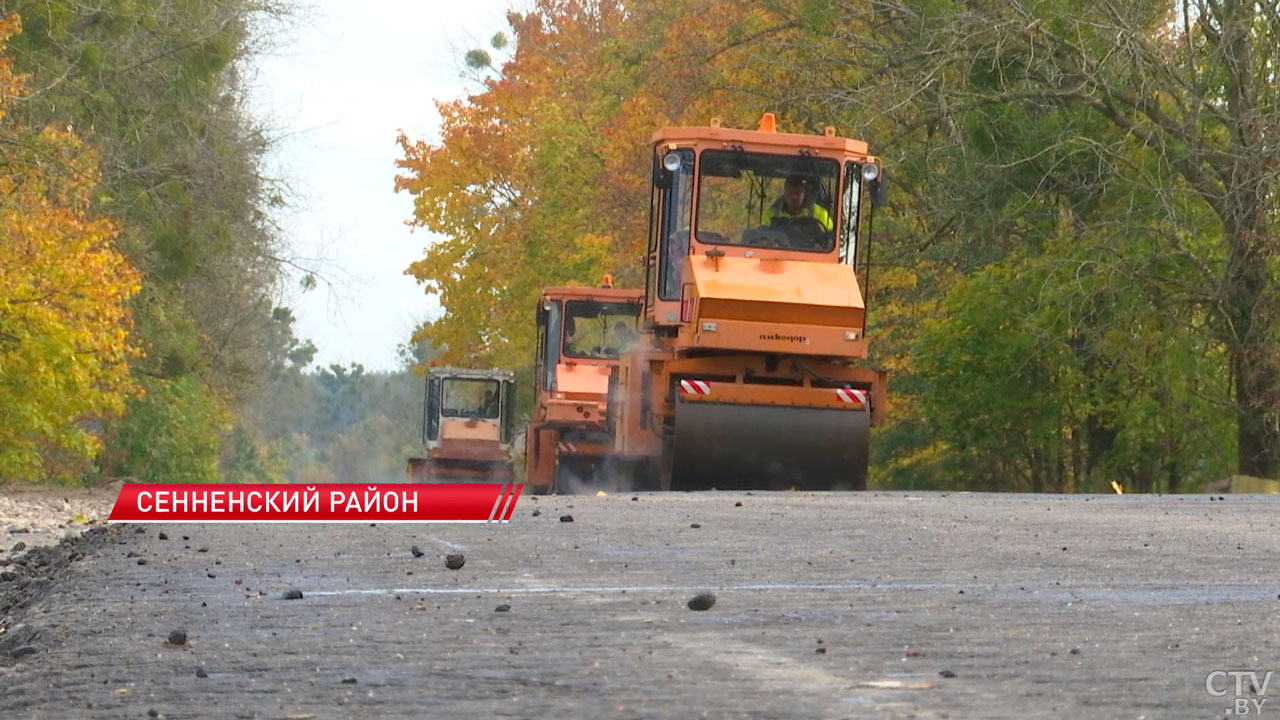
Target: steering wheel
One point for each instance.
(806, 233)
(802, 233)
(765, 237)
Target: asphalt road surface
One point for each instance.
(843, 605)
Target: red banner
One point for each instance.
(346, 502)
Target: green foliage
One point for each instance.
(1054, 377)
(337, 424)
(477, 59)
(172, 434)
(1060, 292)
(155, 87)
(65, 319)
(246, 459)
(817, 15)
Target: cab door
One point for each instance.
(507, 413)
(669, 234)
(431, 411)
(651, 256)
(548, 350)
(850, 203)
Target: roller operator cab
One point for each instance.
(755, 375)
(582, 334)
(466, 427)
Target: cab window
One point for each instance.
(850, 201)
(470, 397)
(674, 233)
(599, 329)
(766, 200)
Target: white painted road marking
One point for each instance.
(623, 589)
(446, 543)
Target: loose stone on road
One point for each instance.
(825, 605)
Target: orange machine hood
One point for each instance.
(766, 289)
(469, 429)
(580, 379)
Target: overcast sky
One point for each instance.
(347, 77)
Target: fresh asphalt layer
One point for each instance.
(880, 605)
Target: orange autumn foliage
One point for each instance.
(541, 176)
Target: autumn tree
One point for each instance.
(157, 87)
(541, 176)
(514, 186)
(65, 321)
(1183, 102)
(1077, 250)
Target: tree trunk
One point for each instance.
(1249, 307)
(1253, 362)
(1256, 433)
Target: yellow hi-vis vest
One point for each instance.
(809, 210)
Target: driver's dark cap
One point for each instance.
(799, 181)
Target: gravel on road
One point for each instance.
(883, 605)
